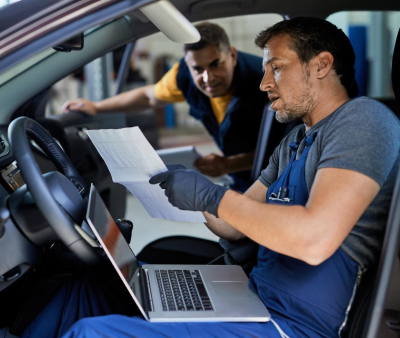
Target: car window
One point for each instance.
(373, 35)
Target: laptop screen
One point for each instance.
(111, 237)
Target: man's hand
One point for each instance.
(189, 190)
(85, 106)
(212, 165)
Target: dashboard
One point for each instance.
(11, 178)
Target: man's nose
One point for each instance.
(267, 82)
(208, 76)
(205, 76)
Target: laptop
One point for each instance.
(175, 293)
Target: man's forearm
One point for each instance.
(221, 228)
(136, 99)
(273, 226)
(239, 162)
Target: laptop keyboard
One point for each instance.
(182, 290)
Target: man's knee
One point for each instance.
(82, 328)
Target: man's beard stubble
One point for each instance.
(302, 105)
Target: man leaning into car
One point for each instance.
(318, 211)
(220, 84)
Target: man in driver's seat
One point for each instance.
(318, 210)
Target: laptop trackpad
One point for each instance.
(228, 289)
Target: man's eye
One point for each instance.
(275, 68)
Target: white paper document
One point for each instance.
(132, 161)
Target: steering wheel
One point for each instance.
(53, 194)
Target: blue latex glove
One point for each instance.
(190, 190)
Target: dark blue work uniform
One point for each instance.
(313, 297)
(238, 132)
(304, 300)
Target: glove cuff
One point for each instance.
(215, 199)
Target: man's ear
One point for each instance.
(233, 54)
(323, 63)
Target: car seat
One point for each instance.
(370, 317)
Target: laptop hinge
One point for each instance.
(145, 291)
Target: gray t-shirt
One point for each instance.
(362, 135)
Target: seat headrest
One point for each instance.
(396, 69)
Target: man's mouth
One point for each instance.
(273, 100)
(211, 88)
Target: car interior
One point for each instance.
(41, 212)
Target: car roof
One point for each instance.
(22, 10)
(49, 25)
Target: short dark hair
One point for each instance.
(211, 35)
(311, 36)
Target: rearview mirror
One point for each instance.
(74, 43)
